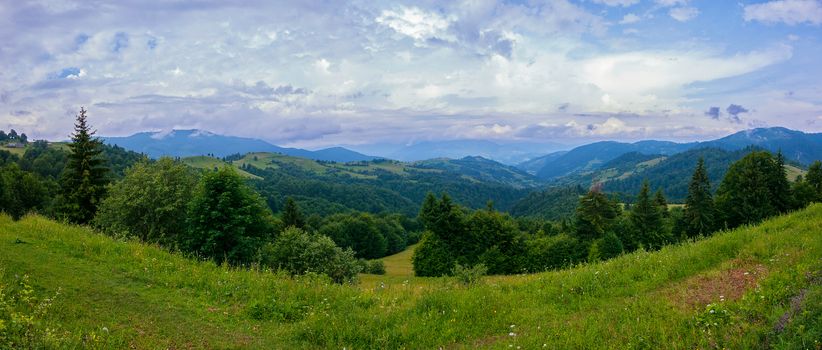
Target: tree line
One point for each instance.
(753, 189)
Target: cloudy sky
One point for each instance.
(319, 73)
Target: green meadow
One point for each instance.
(65, 286)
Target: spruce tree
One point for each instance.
(647, 220)
(661, 202)
(595, 215)
(292, 216)
(84, 179)
(747, 193)
(780, 187)
(699, 212)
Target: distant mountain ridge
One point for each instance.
(193, 142)
(509, 153)
(795, 146)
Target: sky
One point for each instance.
(323, 73)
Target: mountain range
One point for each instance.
(187, 143)
(796, 146)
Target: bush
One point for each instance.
(298, 253)
(374, 267)
(469, 276)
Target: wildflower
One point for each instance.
(512, 334)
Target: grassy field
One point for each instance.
(754, 287)
(206, 162)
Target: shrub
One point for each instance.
(298, 252)
(469, 276)
(374, 267)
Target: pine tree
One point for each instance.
(700, 212)
(647, 220)
(610, 246)
(595, 215)
(292, 216)
(84, 179)
(780, 187)
(661, 202)
(748, 192)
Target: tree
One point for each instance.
(20, 191)
(661, 202)
(646, 220)
(814, 179)
(803, 193)
(595, 215)
(699, 214)
(357, 231)
(292, 216)
(150, 203)
(298, 252)
(227, 220)
(609, 246)
(83, 183)
(780, 186)
(749, 191)
(432, 258)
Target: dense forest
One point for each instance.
(337, 219)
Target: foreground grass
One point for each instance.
(762, 283)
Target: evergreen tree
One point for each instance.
(428, 210)
(83, 183)
(595, 215)
(292, 216)
(646, 220)
(661, 202)
(747, 192)
(610, 246)
(699, 212)
(780, 186)
(432, 258)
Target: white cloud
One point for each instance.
(623, 3)
(654, 74)
(629, 18)
(790, 12)
(416, 23)
(683, 14)
(670, 3)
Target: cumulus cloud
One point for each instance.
(416, 23)
(629, 18)
(683, 14)
(304, 74)
(791, 12)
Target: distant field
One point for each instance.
(763, 284)
(206, 162)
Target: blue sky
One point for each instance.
(321, 73)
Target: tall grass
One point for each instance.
(148, 298)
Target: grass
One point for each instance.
(206, 162)
(145, 297)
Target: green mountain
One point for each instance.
(381, 185)
(797, 146)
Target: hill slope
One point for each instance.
(762, 283)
